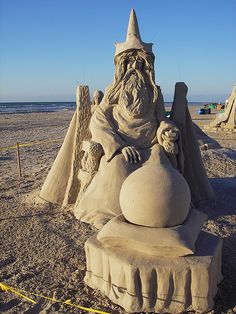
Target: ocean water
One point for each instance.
(28, 107)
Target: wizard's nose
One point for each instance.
(135, 64)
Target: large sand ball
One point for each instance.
(155, 196)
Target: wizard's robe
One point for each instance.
(114, 129)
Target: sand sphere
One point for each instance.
(155, 196)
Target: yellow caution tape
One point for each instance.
(30, 144)
(7, 288)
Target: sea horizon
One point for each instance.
(54, 106)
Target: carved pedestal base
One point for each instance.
(142, 283)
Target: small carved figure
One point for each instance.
(97, 98)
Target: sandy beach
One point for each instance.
(42, 245)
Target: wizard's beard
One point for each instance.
(134, 95)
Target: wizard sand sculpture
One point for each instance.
(136, 176)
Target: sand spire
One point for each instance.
(133, 29)
(133, 38)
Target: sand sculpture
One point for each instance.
(97, 98)
(135, 175)
(227, 120)
(86, 150)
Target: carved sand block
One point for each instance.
(143, 283)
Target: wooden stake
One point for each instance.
(18, 158)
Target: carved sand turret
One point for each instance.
(226, 120)
(62, 184)
(83, 113)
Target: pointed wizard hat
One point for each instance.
(133, 39)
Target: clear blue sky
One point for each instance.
(47, 47)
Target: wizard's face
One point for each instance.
(134, 61)
(135, 89)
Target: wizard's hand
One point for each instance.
(131, 155)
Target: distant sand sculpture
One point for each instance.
(226, 120)
(135, 175)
